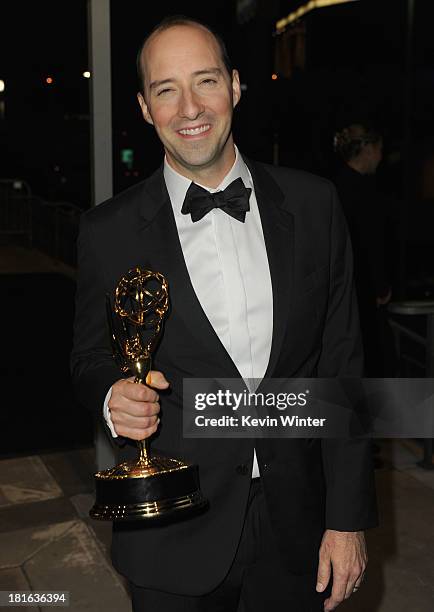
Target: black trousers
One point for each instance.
(256, 581)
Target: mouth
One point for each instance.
(195, 132)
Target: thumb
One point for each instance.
(323, 576)
(156, 380)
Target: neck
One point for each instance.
(358, 165)
(210, 175)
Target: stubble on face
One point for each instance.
(198, 95)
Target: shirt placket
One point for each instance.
(235, 294)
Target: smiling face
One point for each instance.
(189, 98)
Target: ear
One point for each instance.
(236, 87)
(145, 111)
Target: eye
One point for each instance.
(208, 82)
(164, 91)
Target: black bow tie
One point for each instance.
(234, 200)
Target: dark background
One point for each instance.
(360, 60)
(356, 65)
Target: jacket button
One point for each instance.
(242, 469)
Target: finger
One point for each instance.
(122, 404)
(358, 582)
(338, 592)
(137, 434)
(156, 380)
(126, 420)
(354, 580)
(351, 585)
(138, 393)
(324, 572)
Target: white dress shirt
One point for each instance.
(234, 287)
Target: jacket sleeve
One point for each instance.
(93, 367)
(348, 463)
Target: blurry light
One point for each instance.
(86, 74)
(243, 86)
(49, 80)
(2, 85)
(127, 158)
(306, 8)
(274, 77)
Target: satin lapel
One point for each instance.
(158, 231)
(278, 229)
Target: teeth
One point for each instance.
(194, 131)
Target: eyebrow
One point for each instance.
(216, 71)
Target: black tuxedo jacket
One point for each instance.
(310, 485)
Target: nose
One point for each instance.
(190, 106)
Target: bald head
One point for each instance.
(179, 21)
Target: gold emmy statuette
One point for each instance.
(150, 486)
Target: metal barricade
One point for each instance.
(417, 308)
(55, 228)
(15, 209)
(50, 227)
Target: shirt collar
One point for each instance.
(177, 185)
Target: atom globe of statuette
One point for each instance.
(152, 486)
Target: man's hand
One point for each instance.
(134, 407)
(345, 553)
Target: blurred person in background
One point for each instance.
(360, 149)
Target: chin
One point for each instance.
(198, 159)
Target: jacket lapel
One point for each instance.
(157, 230)
(278, 230)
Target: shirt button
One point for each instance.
(242, 469)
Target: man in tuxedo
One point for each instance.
(259, 267)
